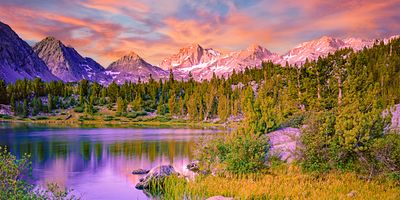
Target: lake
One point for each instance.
(97, 162)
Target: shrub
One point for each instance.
(108, 118)
(386, 152)
(42, 118)
(135, 114)
(79, 109)
(12, 186)
(239, 152)
(5, 116)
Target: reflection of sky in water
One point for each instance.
(97, 163)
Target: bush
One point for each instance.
(11, 184)
(108, 118)
(322, 150)
(42, 118)
(13, 187)
(162, 118)
(79, 109)
(134, 114)
(5, 116)
(239, 152)
(386, 152)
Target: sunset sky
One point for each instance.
(107, 29)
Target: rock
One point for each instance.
(156, 175)
(284, 143)
(353, 193)
(140, 171)
(68, 117)
(5, 109)
(193, 166)
(220, 198)
(395, 123)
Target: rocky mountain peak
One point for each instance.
(131, 67)
(18, 60)
(67, 64)
(131, 56)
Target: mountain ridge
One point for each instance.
(18, 60)
(67, 64)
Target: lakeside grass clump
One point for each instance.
(283, 182)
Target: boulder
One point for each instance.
(193, 166)
(68, 117)
(395, 123)
(284, 143)
(219, 198)
(140, 171)
(156, 175)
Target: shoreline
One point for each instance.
(117, 124)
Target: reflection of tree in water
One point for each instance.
(85, 150)
(151, 150)
(46, 150)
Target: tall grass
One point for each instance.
(285, 182)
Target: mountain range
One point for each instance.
(50, 59)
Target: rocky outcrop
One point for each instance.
(156, 176)
(132, 67)
(18, 60)
(193, 166)
(395, 121)
(67, 64)
(140, 171)
(284, 143)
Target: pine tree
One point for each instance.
(223, 111)
(172, 102)
(25, 109)
(13, 103)
(49, 103)
(3, 92)
(137, 104)
(121, 106)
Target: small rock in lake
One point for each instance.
(193, 166)
(140, 171)
(156, 175)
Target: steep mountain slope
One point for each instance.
(190, 56)
(67, 64)
(311, 50)
(204, 62)
(18, 60)
(132, 67)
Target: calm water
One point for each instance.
(97, 163)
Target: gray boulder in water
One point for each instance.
(156, 176)
(140, 171)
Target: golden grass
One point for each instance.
(286, 183)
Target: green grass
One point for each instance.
(285, 182)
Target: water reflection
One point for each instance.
(97, 163)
